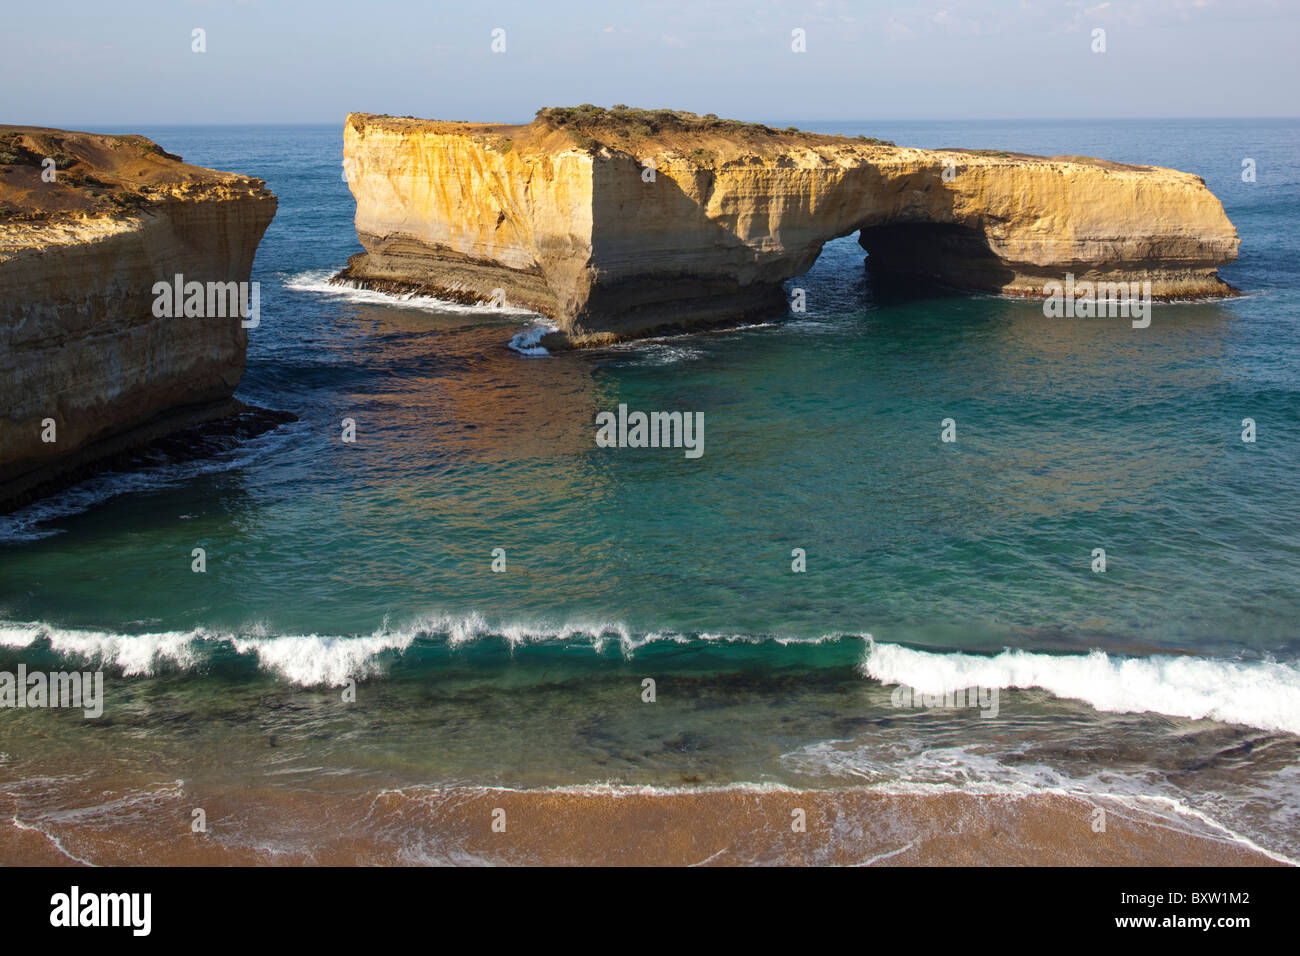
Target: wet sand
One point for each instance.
(597, 826)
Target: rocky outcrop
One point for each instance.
(567, 216)
(83, 356)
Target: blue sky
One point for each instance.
(129, 62)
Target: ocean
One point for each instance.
(1166, 687)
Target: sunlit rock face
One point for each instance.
(84, 357)
(625, 223)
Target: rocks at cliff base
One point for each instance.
(625, 223)
(89, 368)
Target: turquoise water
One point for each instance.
(328, 560)
(821, 433)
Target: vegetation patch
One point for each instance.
(621, 125)
(14, 152)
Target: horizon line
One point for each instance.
(981, 119)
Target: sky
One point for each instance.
(71, 63)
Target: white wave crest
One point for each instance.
(311, 660)
(314, 659)
(318, 281)
(1259, 694)
(135, 654)
(529, 341)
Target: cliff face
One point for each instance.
(563, 216)
(467, 215)
(79, 258)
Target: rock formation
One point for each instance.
(88, 225)
(566, 216)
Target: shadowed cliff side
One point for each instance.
(623, 223)
(89, 371)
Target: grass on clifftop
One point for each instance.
(74, 190)
(592, 126)
(93, 174)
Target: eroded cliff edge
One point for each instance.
(79, 341)
(566, 216)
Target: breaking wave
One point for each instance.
(1262, 694)
(529, 341)
(317, 281)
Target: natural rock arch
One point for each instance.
(700, 221)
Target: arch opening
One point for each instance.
(942, 253)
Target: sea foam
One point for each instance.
(529, 341)
(1259, 694)
(318, 281)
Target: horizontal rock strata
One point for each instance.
(80, 344)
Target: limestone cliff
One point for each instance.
(79, 257)
(566, 216)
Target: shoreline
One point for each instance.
(626, 826)
(180, 435)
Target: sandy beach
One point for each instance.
(605, 826)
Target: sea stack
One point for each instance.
(89, 225)
(623, 223)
